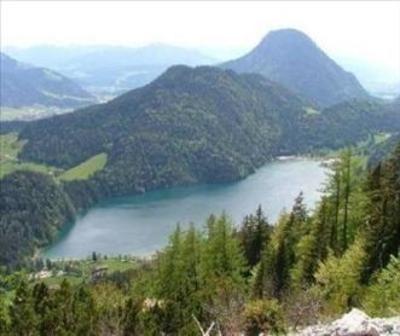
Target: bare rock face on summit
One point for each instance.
(292, 59)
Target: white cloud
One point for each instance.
(368, 30)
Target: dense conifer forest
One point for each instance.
(253, 278)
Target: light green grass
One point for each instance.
(311, 111)
(10, 146)
(380, 137)
(86, 266)
(30, 112)
(85, 169)
(11, 166)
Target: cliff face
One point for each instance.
(355, 323)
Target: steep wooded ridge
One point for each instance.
(195, 125)
(25, 85)
(292, 59)
(191, 125)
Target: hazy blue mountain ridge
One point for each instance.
(292, 59)
(26, 85)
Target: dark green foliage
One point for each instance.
(312, 248)
(32, 210)
(178, 282)
(254, 234)
(288, 234)
(11, 126)
(131, 318)
(346, 123)
(383, 213)
(22, 315)
(193, 125)
(63, 311)
(383, 150)
(202, 124)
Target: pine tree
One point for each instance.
(22, 314)
(383, 221)
(84, 313)
(338, 278)
(178, 281)
(311, 249)
(383, 296)
(222, 270)
(254, 235)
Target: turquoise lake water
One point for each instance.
(141, 224)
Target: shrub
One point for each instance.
(263, 316)
(383, 296)
(338, 279)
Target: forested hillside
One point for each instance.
(33, 208)
(190, 125)
(381, 151)
(255, 279)
(196, 125)
(292, 59)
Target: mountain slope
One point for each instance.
(190, 125)
(193, 125)
(25, 85)
(32, 210)
(111, 69)
(292, 59)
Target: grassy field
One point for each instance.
(311, 111)
(30, 112)
(85, 169)
(10, 146)
(380, 137)
(81, 270)
(9, 162)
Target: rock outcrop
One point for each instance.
(355, 323)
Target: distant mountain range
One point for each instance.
(111, 69)
(292, 59)
(286, 56)
(25, 85)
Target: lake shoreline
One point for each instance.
(268, 185)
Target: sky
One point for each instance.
(364, 30)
